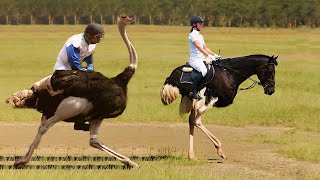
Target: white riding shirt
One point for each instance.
(68, 59)
(197, 57)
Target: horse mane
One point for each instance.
(236, 60)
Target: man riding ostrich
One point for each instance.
(74, 95)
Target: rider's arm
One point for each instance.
(89, 61)
(74, 58)
(207, 49)
(196, 43)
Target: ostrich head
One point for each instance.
(124, 20)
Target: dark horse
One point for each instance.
(219, 91)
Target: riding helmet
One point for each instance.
(195, 19)
(94, 29)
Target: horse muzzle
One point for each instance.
(268, 91)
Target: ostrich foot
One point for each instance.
(191, 157)
(19, 164)
(129, 163)
(221, 154)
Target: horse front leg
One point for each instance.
(191, 132)
(213, 139)
(94, 142)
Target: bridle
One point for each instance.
(264, 71)
(255, 82)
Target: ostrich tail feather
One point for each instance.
(168, 94)
(22, 99)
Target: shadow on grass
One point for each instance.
(87, 158)
(79, 158)
(214, 160)
(67, 167)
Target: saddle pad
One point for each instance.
(186, 78)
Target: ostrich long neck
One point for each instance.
(132, 52)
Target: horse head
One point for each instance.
(266, 75)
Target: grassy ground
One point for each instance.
(29, 53)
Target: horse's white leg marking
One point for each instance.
(94, 142)
(69, 107)
(215, 140)
(191, 132)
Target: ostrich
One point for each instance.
(81, 96)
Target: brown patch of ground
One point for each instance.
(141, 139)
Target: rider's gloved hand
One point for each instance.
(212, 57)
(207, 60)
(217, 56)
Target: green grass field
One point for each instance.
(29, 53)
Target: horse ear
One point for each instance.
(275, 60)
(271, 59)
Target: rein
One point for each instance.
(255, 82)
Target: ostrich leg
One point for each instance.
(74, 105)
(191, 132)
(215, 140)
(94, 142)
(43, 128)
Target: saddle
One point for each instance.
(188, 74)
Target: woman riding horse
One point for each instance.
(229, 74)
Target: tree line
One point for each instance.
(218, 13)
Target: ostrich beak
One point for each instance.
(127, 19)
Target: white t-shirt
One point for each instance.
(194, 52)
(78, 42)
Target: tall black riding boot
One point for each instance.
(196, 83)
(81, 125)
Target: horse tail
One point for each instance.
(22, 99)
(169, 93)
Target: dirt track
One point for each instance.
(139, 138)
